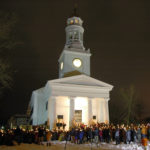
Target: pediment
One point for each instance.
(81, 80)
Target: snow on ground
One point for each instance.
(111, 146)
(57, 145)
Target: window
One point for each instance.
(46, 105)
(31, 122)
(70, 36)
(81, 36)
(61, 65)
(94, 117)
(76, 35)
(59, 116)
(31, 111)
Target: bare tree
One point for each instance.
(126, 107)
(7, 43)
(130, 97)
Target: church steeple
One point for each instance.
(74, 59)
(74, 31)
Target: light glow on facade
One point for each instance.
(81, 103)
(62, 108)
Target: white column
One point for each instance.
(72, 109)
(107, 110)
(90, 114)
(52, 111)
(35, 111)
(98, 110)
(102, 109)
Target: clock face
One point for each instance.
(61, 65)
(77, 62)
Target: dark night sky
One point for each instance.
(117, 32)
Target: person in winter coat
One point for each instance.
(124, 135)
(139, 134)
(113, 133)
(90, 135)
(96, 134)
(100, 135)
(128, 135)
(36, 136)
(40, 135)
(48, 137)
(72, 134)
(135, 134)
(121, 134)
(132, 134)
(143, 131)
(81, 135)
(107, 134)
(17, 134)
(76, 136)
(104, 134)
(148, 132)
(117, 138)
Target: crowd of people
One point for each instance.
(82, 134)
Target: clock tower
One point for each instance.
(74, 59)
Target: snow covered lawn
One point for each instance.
(110, 146)
(57, 145)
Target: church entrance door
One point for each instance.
(78, 116)
(81, 110)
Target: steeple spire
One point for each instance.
(75, 13)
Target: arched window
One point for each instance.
(81, 36)
(76, 35)
(70, 36)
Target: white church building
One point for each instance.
(75, 96)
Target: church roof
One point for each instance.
(82, 80)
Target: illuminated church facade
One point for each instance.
(75, 96)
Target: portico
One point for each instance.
(91, 100)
